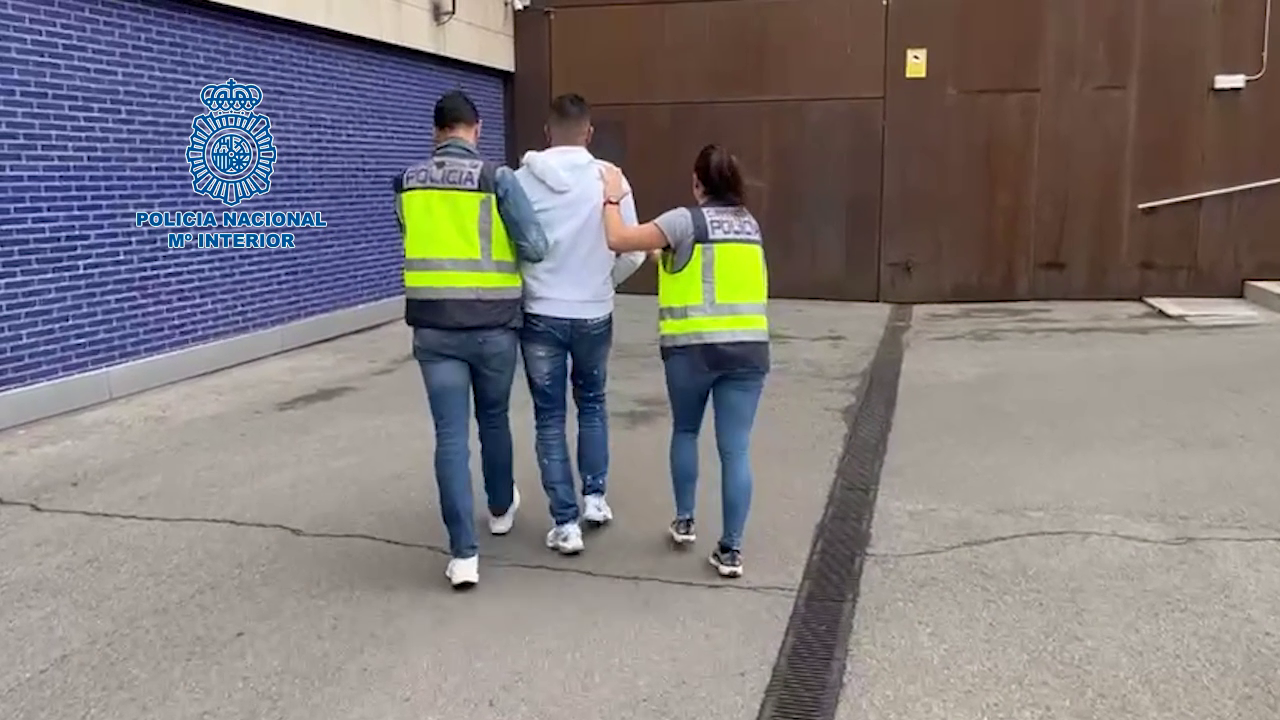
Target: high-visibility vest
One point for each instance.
(718, 292)
(455, 244)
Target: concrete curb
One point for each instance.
(55, 397)
(1263, 293)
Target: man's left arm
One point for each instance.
(518, 215)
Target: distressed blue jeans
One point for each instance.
(734, 396)
(556, 350)
(457, 366)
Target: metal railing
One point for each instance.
(1209, 193)
(1266, 44)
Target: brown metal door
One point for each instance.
(1015, 161)
(1187, 139)
(960, 148)
(792, 87)
(1012, 167)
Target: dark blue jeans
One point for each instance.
(458, 365)
(735, 396)
(551, 346)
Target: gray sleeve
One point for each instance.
(677, 225)
(626, 264)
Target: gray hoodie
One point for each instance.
(577, 277)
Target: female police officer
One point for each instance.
(713, 330)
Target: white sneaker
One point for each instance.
(565, 539)
(595, 510)
(463, 573)
(501, 525)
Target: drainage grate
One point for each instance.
(809, 672)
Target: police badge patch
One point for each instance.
(232, 153)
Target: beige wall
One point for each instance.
(481, 32)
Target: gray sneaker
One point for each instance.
(566, 539)
(683, 531)
(727, 562)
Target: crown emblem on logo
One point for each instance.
(230, 98)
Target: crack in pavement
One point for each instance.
(1178, 541)
(496, 561)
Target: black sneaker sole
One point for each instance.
(726, 571)
(679, 539)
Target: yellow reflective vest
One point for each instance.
(455, 244)
(718, 292)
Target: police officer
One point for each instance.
(466, 224)
(713, 331)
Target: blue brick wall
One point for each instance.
(96, 104)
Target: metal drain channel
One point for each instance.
(809, 672)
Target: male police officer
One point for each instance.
(466, 223)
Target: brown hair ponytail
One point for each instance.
(720, 175)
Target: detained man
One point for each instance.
(568, 322)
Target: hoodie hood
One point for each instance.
(576, 278)
(560, 169)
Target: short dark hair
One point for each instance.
(454, 109)
(720, 175)
(570, 109)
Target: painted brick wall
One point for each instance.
(96, 103)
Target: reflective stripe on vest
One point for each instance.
(720, 294)
(455, 244)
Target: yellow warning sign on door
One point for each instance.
(917, 63)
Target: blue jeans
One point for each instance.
(734, 395)
(458, 365)
(550, 345)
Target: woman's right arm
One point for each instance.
(672, 230)
(623, 238)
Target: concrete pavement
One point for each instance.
(1077, 519)
(231, 599)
